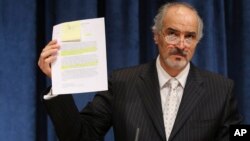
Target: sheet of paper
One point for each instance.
(81, 62)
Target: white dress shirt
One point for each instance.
(163, 78)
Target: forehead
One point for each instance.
(180, 18)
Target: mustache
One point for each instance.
(178, 51)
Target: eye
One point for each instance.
(171, 33)
(189, 36)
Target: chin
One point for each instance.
(176, 64)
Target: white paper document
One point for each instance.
(81, 61)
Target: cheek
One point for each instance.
(191, 52)
(163, 47)
(164, 50)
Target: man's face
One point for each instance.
(178, 38)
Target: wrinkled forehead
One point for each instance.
(181, 18)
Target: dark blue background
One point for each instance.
(26, 27)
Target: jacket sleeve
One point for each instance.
(91, 124)
(231, 115)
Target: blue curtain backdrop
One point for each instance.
(26, 27)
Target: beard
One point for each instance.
(177, 63)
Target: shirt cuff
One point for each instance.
(49, 95)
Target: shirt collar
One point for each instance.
(164, 77)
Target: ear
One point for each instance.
(156, 38)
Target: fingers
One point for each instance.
(51, 45)
(48, 56)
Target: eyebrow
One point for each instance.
(174, 30)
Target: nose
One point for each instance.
(181, 43)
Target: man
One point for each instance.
(142, 103)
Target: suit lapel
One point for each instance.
(193, 91)
(148, 88)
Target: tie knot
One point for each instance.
(173, 83)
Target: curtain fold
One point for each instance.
(26, 27)
(18, 70)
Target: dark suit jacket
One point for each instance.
(206, 111)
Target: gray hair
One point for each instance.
(158, 20)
